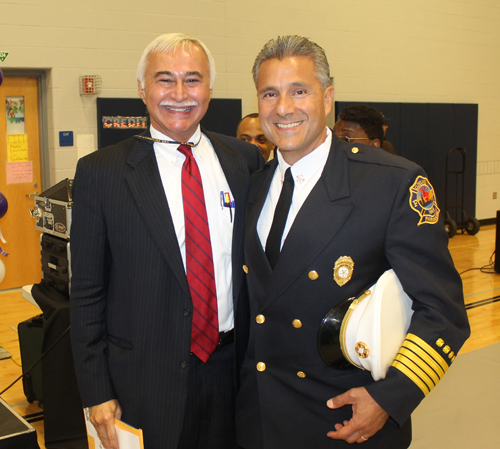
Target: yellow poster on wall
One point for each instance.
(17, 148)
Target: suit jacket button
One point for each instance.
(355, 150)
(260, 319)
(301, 374)
(184, 364)
(261, 366)
(187, 312)
(245, 269)
(313, 275)
(297, 324)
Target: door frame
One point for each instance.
(43, 125)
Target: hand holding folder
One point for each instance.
(128, 437)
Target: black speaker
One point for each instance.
(497, 243)
(30, 343)
(64, 422)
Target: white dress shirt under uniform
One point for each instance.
(306, 173)
(220, 220)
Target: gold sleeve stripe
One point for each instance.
(427, 348)
(424, 356)
(412, 376)
(425, 372)
(422, 364)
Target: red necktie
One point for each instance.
(199, 261)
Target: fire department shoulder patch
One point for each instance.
(423, 201)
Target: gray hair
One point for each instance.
(289, 46)
(168, 43)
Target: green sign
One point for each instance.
(3, 55)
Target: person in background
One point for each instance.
(249, 130)
(386, 145)
(156, 247)
(360, 123)
(325, 220)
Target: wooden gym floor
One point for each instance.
(471, 254)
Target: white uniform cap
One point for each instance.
(374, 326)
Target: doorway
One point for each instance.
(20, 179)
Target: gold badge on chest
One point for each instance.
(342, 272)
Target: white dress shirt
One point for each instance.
(306, 173)
(220, 219)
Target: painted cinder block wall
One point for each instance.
(379, 50)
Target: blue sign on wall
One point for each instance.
(65, 138)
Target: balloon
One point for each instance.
(4, 205)
(2, 271)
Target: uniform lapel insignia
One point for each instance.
(342, 272)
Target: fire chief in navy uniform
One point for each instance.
(142, 273)
(356, 211)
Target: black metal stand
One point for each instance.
(456, 217)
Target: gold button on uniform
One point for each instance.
(355, 150)
(297, 324)
(301, 374)
(260, 319)
(261, 366)
(313, 275)
(245, 269)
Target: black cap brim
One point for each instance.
(329, 347)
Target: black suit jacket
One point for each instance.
(130, 301)
(360, 207)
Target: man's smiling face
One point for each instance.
(292, 105)
(177, 91)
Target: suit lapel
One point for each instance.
(256, 257)
(146, 186)
(318, 221)
(147, 189)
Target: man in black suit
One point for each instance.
(154, 286)
(355, 212)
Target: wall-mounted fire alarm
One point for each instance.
(90, 84)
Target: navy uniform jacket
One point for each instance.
(130, 301)
(379, 210)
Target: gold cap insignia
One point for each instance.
(342, 272)
(362, 350)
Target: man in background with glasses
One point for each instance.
(360, 123)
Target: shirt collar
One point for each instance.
(155, 134)
(305, 167)
(170, 149)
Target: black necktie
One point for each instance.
(273, 244)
